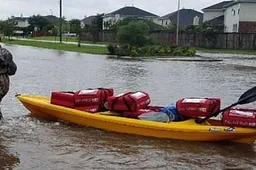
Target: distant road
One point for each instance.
(65, 42)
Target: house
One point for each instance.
(51, 18)
(214, 11)
(21, 22)
(237, 15)
(88, 21)
(21, 25)
(187, 17)
(240, 16)
(127, 12)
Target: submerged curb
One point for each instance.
(171, 58)
(192, 59)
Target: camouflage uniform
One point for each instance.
(7, 68)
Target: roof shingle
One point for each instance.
(218, 6)
(186, 17)
(132, 11)
(89, 20)
(217, 21)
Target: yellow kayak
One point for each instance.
(212, 131)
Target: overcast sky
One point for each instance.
(77, 9)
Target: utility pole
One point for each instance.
(178, 24)
(60, 21)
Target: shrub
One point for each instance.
(161, 51)
(134, 34)
(178, 51)
(111, 49)
(126, 50)
(134, 52)
(190, 52)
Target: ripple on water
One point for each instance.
(39, 144)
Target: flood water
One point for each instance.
(30, 143)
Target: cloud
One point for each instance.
(79, 8)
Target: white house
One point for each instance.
(239, 15)
(127, 12)
(214, 11)
(21, 22)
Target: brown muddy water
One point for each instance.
(30, 143)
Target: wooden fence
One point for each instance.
(203, 40)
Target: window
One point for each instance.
(225, 28)
(235, 28)
(238, 11)
(233, 12)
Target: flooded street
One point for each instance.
(31, 143)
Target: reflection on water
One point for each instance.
(8, 160)
(42, 144)
(76, 147)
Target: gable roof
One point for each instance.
(52, 18)
(88, 20)
(20, 18)
(168, 15)
(186, 17)
(218, 6)
(239, 1)
(218, 21)
(132, 11)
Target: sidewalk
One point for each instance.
(65, 42)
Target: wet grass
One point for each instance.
(102, 50)
(53, 38)
(227, 51)
(59, 46)
(64, 39)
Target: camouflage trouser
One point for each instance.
(4, 87)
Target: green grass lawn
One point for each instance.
(64, 38)
(59, 46)
(227, 51)
(102, 50)
(53, 38)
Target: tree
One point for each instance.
(134, 34)
(191, 29)
(152, 26)
(96, 27)
(39, 22)
(75, 26)
(65, 25)
(2, 22)
(173, 28)
(8, 27)
(118, 24)
(205, 27)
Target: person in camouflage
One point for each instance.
(7, 68)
